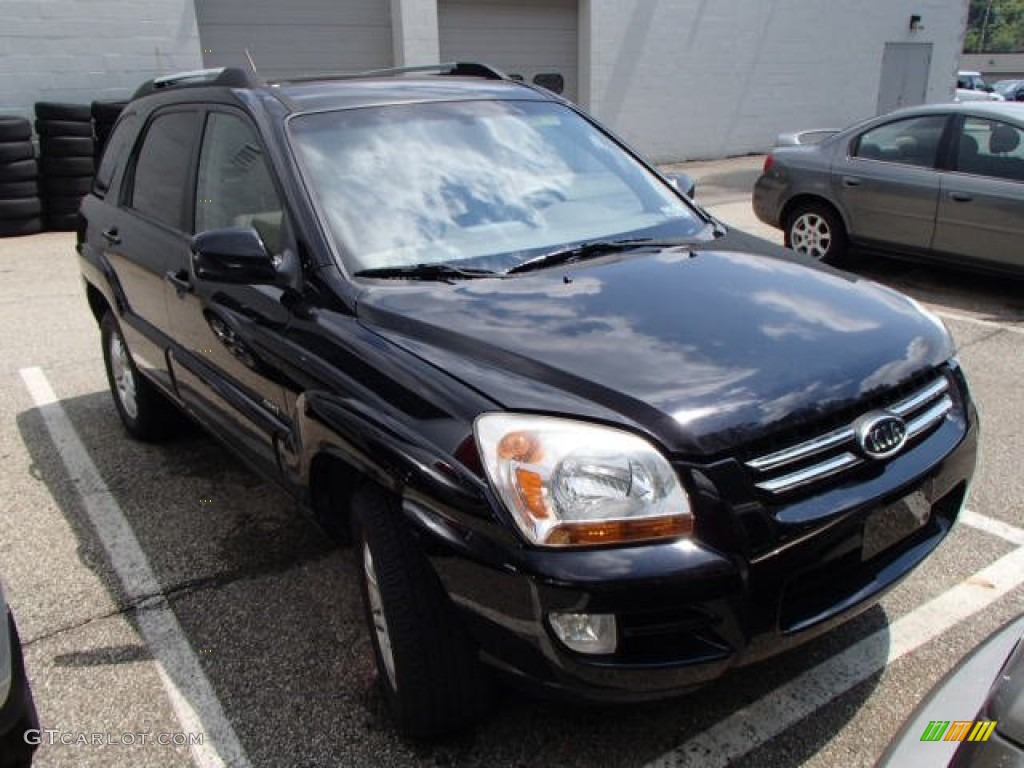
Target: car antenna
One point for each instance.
(252, 63)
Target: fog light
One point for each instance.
(585, 632)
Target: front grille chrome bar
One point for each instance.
(835, 452)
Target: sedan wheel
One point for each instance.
(816, 231)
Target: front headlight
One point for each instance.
(568, 483)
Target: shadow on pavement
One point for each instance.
(273, 613)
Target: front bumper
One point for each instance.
(689, 610)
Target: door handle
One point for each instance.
(180, 281)
(961, 197)
(111, 236)
(850, 181)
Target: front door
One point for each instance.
(888, 184)
(221, 330)
(904, 81)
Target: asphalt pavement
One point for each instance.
(166, 590)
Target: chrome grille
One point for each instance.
(834, 452)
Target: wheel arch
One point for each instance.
(806, 198)
(98, 303)
(333, 482)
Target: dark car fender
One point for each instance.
(449, 504)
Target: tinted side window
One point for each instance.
(162, 168)
(115, 152)
(913, 141)
(991, 148)
(234, 188)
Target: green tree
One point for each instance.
(995, 26)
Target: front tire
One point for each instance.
(146, 414)
(815, 230)
(427, 668)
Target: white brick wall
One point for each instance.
(80, 50)
(681, 79)
(704, 78)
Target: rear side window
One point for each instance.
(115, 153)
(991, 148)
(162, 168)
(913, 141)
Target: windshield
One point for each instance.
(484, 184)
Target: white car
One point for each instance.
(971, 86)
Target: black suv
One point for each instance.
(581, 434)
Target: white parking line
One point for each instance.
(990, 525)
(192, 697)
(766, 718)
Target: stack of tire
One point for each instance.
(20, 208)
(66, 161)
(104, 115)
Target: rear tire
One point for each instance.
(426, 663)
(816, 231)
(146, 414)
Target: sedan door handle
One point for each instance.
(961, 197)
(180, 282)
(111, 236)
(850, 181)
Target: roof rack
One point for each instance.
(232, 77)
(455, 68)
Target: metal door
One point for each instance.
(904, 81)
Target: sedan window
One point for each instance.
(991, 148)
(912, 141)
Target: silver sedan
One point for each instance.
(942, 181)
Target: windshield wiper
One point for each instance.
(427, 272)
(589, 250)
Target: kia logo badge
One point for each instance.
(880, 434)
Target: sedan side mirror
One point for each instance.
(684, 183)
(238, 256)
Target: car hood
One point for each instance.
(703, 348)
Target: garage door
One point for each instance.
(527, 38)
(297, 37)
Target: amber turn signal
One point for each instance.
(618, 531)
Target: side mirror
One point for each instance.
(236, 255)
(684, 183)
